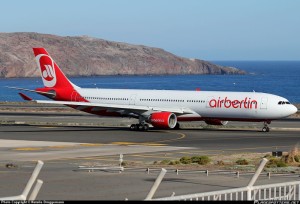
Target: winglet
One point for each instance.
(26, 98)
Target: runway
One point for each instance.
(63, 145)
(89, 141)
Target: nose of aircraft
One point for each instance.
(293, 109)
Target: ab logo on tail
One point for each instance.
(48, 72)
(47, 69)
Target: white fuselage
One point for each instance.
(240, 106)
(160, 108)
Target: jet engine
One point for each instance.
(163, 120)
(215, 122)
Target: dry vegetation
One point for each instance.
(288, 162)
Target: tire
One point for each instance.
(133, 127)
(266, 129)
(146, 127)
(140, 127)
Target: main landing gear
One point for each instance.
(140, 127)
(266, 127)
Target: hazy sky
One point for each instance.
(209, 30)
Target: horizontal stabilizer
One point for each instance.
(26, 98)
(39, 92)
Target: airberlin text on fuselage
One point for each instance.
(227, 103)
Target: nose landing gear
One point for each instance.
(266, 127)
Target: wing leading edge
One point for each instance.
(117, 107)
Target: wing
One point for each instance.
(117, 107)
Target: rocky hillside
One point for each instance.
(86, 56)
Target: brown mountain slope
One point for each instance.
(86, 56)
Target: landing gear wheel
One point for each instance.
(266, 129)
(139, 127)
(133, 127)
(146, 127)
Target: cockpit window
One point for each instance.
(283, 102)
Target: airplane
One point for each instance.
(160, 108)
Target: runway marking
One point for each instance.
(137, 143)
(28, 149)
(60, 146)
(182, 135)
(91, 144)
(42, 148)
(154, 143)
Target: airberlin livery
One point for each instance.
(160, 108)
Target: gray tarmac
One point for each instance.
(66, 141)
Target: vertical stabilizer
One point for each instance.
(55, 82)
(51, 74)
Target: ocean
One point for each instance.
(276, 77)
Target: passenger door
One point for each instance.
(264, 103)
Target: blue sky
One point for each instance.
(203, 29)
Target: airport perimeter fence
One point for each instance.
(26, 191)
(121, 168)
(236, 174)
(279, 191)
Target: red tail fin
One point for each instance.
(51, 74)
(54, 80)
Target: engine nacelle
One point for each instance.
(163, 120)
(215, 122)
